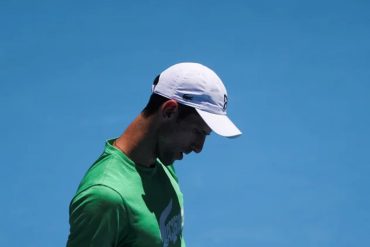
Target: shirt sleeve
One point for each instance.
(97, 217)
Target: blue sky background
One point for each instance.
(75, 73)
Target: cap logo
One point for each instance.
(187, 96)
(225, 102)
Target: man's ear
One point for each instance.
(169, 109)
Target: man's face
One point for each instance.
(182, 136)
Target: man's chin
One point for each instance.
(167, 162)
(170, 160)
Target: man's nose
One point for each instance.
(198, 145)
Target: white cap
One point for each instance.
(195, 85)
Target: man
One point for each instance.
(130, 195)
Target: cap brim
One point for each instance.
(220, 124)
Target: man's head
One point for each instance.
(197, 86)
(191, 101)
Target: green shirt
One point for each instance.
(121, 204)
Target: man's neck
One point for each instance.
(138, 141)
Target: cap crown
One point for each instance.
(195, 85)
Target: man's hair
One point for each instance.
(156, 100)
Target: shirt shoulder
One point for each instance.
(97, 216)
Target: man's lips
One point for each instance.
(181, 154)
